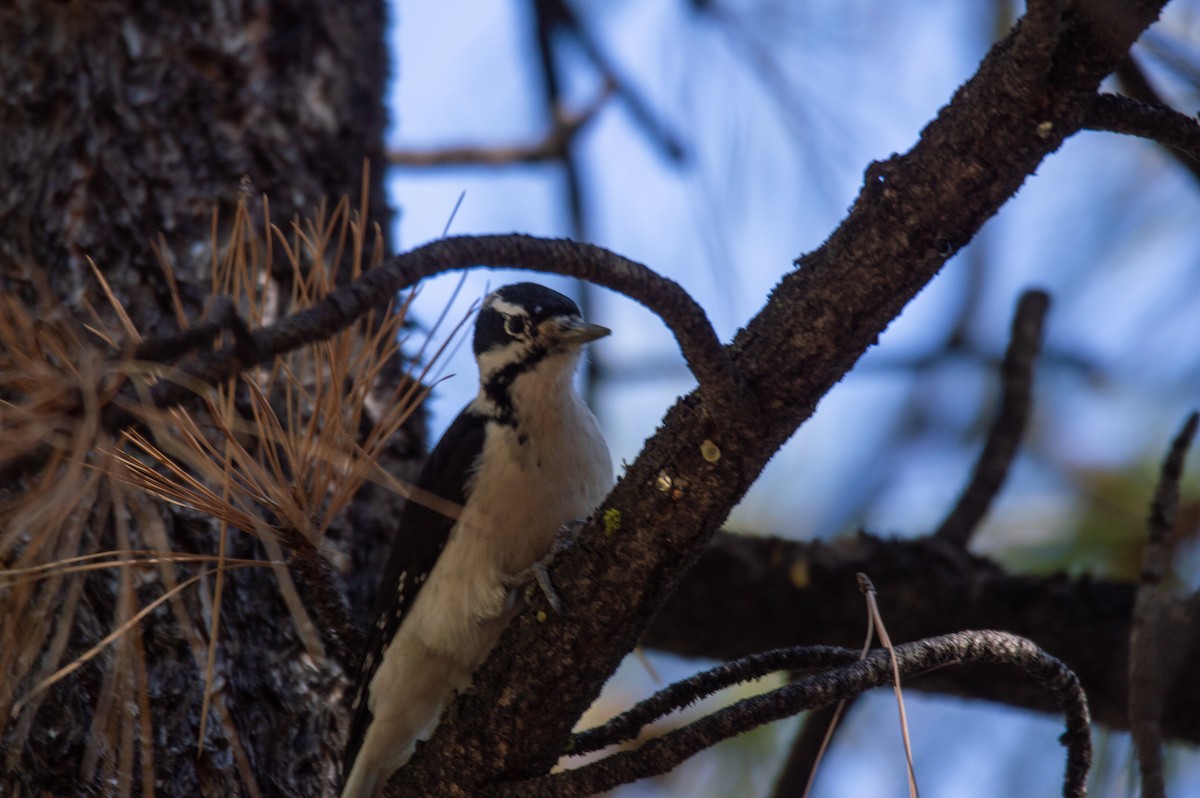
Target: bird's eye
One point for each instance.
(514, 325)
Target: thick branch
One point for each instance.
(1033, 49)
(748, 594)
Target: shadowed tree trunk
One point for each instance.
(122, 121)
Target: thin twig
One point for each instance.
(852, 677)
(804, 754)
(1005, 435)
(799, 772)
(553, 146)
(1147, 641)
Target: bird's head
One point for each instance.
(526, 326)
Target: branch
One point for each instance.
(1035, 38)
(1149, 649)
(852, 678)
(797, 773)
(686, 319)
(1178, 132)
(549, 14)
(748, 594)
(1133, 81)
(629, 724)
(222, 316)
(553, 146)
(1005, 435)
(318, 587)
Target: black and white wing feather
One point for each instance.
(420, 538)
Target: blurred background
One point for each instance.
(717, 141)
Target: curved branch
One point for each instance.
(629, 724)
(685, 318)
(222, 316)
(1113, 113)
(666, 752)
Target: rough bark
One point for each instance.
(122, 121)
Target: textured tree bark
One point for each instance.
(122, 121)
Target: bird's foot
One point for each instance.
(539, 572)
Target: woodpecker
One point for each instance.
(522, 460)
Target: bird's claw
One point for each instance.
(539, 572)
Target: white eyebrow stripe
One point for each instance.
(508, 308)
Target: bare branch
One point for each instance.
(1178, 132)
(1005, 435)
(747, 594)
(629, 724)
(852, 678)
(550, 14)
(1148, 644)
(1165, 504)
(1134, 82)
(686, 319)
(810, 743)
(553, 146)
(222, 316)
(1037, 35)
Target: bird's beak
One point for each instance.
(578, 332)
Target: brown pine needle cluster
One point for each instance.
(276, 453)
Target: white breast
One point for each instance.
(551, 468)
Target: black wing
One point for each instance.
(420, 538)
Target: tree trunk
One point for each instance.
(122, 122)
